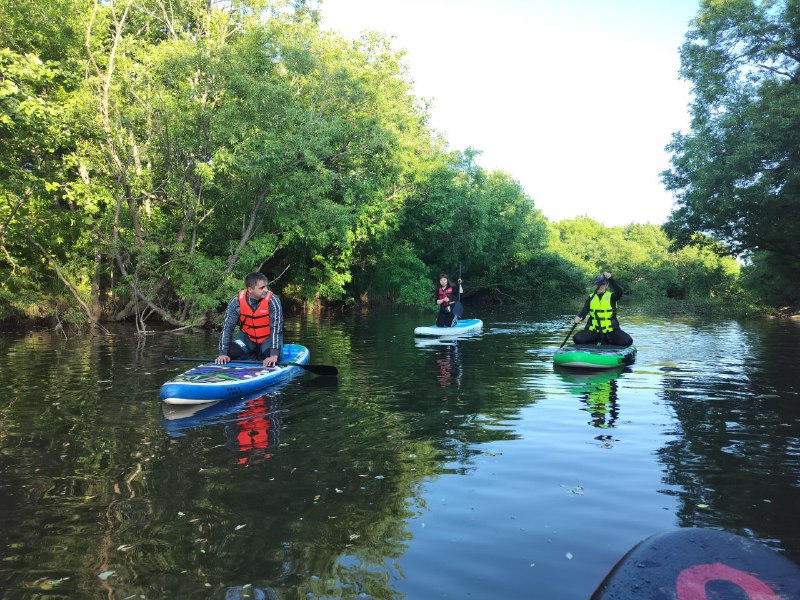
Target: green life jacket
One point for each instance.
(601, 312)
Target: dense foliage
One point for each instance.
(639, 257)
(154, 153)
(737, 172)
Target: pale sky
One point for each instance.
(576, 99)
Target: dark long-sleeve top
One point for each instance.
(275, 323)
(616, 294)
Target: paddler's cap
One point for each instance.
(600, 280)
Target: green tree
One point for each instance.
(461, 214)
(40, 240)
(641, 259)
(196, 142)
(736, 173)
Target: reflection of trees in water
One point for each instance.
(734, 462)
(317, 519)
(470, 408)
(98, 486)
(74, 453)
(304, 511)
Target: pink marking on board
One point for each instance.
(691, 582)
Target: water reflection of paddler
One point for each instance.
(251, 424)
(254, 431)
(599, 390)
(448, 360)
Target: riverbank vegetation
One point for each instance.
(154, 153)
(736, 173)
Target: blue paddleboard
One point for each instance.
(461, 327)
(211, 382)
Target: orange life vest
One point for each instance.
(254, 323)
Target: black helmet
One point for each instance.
(600, 280)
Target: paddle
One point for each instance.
(321, 370)
(574, 325)
(458, 309)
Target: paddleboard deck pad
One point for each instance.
(461, 327)
(700, 564)
(211, 382)
(592, 356)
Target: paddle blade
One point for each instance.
(321, 370)
(458, 310)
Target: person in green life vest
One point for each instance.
(602, 326)
(259, 315)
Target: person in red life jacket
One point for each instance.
(259, 315)
(602, 326)
(446, 298)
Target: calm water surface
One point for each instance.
(456, 470)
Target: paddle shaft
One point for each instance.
(459, 283)
(458, 309)
(324, 370)
(574, 325)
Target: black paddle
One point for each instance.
(574, 325)
(458, 309)
(321, 370)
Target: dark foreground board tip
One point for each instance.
(700, 564)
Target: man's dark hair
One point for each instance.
(253, 278)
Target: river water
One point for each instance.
(429, 470)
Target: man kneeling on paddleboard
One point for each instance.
(602, 326)
(259, 314)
